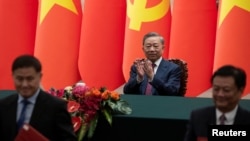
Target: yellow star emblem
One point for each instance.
(227, 5)
(46, 5)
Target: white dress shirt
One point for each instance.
(29, 108)
(229, 116)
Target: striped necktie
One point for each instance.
(149, 86)
(222, 119)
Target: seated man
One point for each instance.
(153, 75)
(228, 84)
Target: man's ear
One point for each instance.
(241, 90)
(41, 75)
(41, 86)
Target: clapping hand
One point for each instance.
(144, 66)
(148, 69)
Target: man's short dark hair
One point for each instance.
(237, 73)
(152, 34)
(25, 61)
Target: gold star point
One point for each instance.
(46, 6)
(227, 5)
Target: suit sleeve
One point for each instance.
(171, 84)
(190, 134)
(132, 87)
(64, 124)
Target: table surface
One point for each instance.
(153, 118)
(169, 107)
(160, 107)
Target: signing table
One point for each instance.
(154, 118)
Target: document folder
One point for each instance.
(28, 133)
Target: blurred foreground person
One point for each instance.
(44, 112)
(228, 84)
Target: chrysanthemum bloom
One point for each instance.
(79, 91)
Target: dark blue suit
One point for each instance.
(50, 117)
(166, 80)
(201, 118)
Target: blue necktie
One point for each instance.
(21, 119)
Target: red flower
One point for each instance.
(76, 123)
(72, 106)
(89, 106)
(85, 104)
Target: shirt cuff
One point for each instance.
(138, 80)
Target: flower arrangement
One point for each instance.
(85, 104)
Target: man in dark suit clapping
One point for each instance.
(153, 75)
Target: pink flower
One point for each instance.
(60, 93)
(79, 90)
(85, 104)
(52, 91)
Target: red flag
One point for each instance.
(101, 48)
(143, 17)
(17, 36)
(57, 41)
(193, 39)
(233, 32)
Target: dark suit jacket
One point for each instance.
(50, 117)
(166, 80)
(201, 118)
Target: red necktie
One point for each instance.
(149, 86)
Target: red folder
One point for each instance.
(28, 133)
(202, 139)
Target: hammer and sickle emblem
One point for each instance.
(138, 13)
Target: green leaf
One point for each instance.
(82, 132)
(108, 116)
(120, 107)
(124, 107)
(92, 126)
